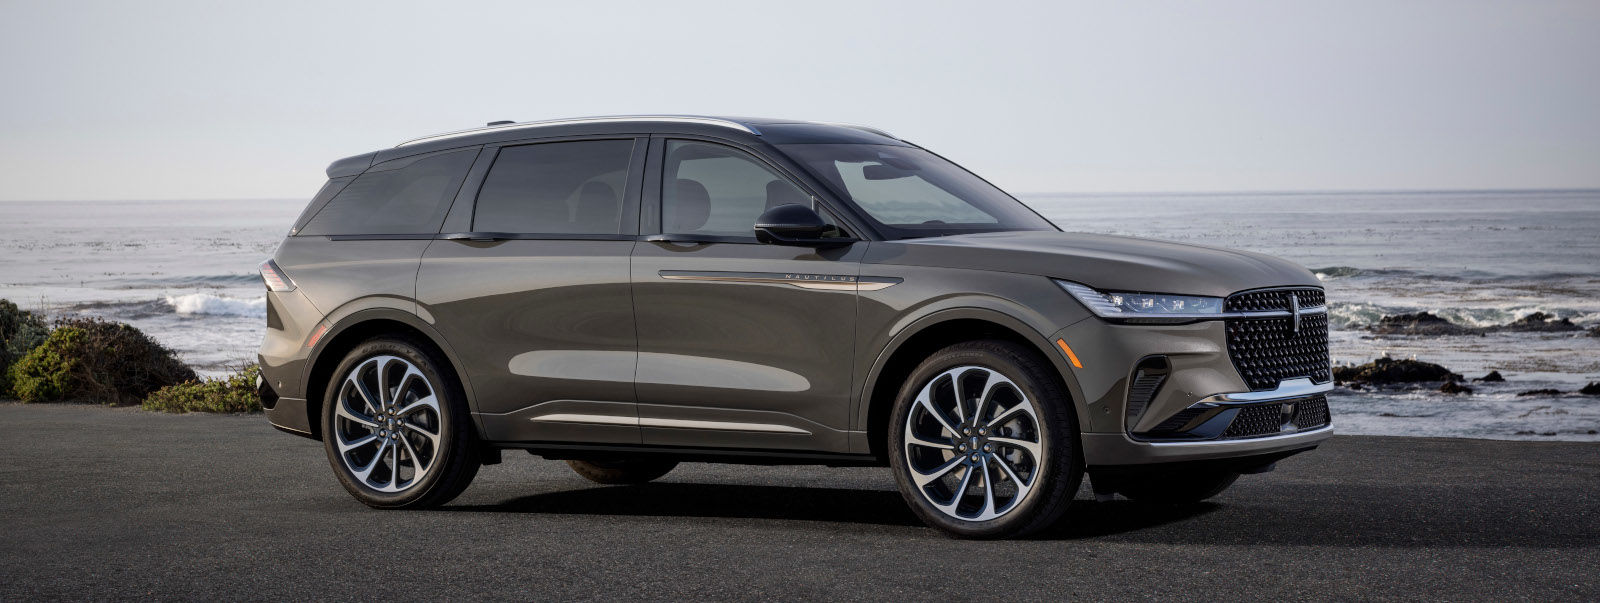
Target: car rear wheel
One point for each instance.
(396, 428)
(983, 441)
(630, 471)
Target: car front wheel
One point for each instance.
(983, 441)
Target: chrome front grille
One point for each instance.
(1268, 350)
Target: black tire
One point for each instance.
(1170, 488)
(1055, 478)
(456, 457)
(630, 471)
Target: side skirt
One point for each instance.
(564, 451)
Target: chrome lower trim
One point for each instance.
(591, 419)
(1264, 440)
(1289, 388)
(721, 426)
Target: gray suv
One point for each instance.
(628, 293)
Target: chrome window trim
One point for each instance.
(679, 119)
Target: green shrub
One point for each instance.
(233, 393)
(92, 359)
(20, 332)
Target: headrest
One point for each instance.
(690, 207)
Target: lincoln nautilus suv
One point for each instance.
(628, 293)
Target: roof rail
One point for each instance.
(709, 121)
(862, 128)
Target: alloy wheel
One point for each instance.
(973, 444)
(387, 424)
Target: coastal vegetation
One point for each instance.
(111, 363)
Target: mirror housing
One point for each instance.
(794, 224)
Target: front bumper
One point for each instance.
(1197, 376)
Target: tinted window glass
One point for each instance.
(910, 192)
(716, 190)
(408, 200)
(556, 188)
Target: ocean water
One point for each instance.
(184, 271)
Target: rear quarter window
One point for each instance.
(410, 198)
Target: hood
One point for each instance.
(1105, 262)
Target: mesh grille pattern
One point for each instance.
(1273, 299)
(1313, 413)
(1268, 419)
(1266, 352)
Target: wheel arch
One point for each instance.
(930, 333)
(360, 326)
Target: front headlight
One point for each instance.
(1122, 304)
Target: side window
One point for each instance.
(712, 189)
(410, 199)
(555, 188)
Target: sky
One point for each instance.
(203, 100)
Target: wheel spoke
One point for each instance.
(364, 473)
(1008, 414)
(416, 461)
(961, 490)
(1005, 465)
(354, 380)
(988, 492)
(986, 399)
(424, 402)
(961, 394)
(347, 446)
(916, 440)
(1031, 447)
(926, 402)
(432, 437)
(394, 466)
(923, 479)
(342, 410)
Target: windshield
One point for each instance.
(910, 192)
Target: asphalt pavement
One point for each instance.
(100, 503)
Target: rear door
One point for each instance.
(531, 288)
(741, 344)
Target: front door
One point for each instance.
(535, 297)
(741, 344)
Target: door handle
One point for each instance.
(478, 236)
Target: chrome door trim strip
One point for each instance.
(821, 282)
(592, 419)
(721, 426)
(588, 419)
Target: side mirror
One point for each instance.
(793, 224)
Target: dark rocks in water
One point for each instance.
(1594, 331)
(1539, 322)
(1388, 370)
(1451, 387)
(1492, 377)
(1540, 392)
(1592, 389)
(1420, 323)
(1429, 324)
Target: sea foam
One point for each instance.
(216, 305)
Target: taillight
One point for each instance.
(275, 278)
